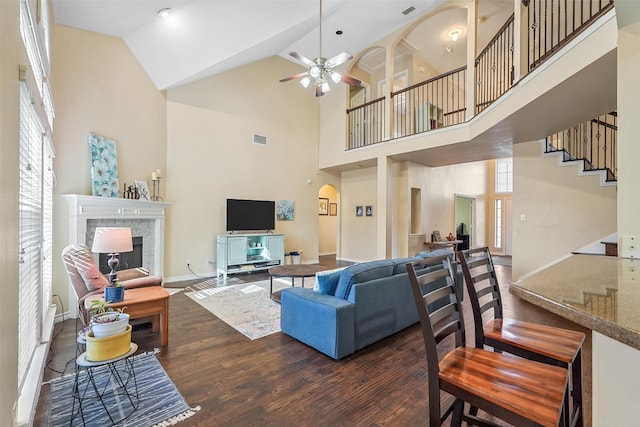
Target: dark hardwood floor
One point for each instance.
(277, 380)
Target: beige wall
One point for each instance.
(98, 86)
(563, 211)
(11, 54)
(211, 157)
(629, 129)
(328, 224)
(439, 187)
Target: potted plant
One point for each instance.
(107, 321)
(114, 292)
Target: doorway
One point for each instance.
(328, 219)
(464, 220)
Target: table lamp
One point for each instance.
(112, 241)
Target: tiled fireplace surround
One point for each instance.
(145, 218)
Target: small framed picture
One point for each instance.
(323, 206)
(333, 209)
(359, 210)
(143, 189)
(369, 210)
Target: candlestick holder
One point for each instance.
(156, 190)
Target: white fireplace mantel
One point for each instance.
(83, 208)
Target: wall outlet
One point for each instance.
(188, 263)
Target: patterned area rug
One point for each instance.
(159, 401)
(246, 307)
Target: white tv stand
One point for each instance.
(241, 253)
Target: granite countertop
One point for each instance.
(599, 292)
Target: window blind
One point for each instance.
(30, 232)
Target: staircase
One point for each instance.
(593, 144)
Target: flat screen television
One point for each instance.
(246, 215)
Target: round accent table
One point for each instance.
(293, 271)
(102, 381)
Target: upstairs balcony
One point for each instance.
(550, 65)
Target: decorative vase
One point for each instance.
(113, 293)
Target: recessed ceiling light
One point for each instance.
(163, 13)
(455, 34)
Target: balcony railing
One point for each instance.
(552, 23)
(494, 67)
(441, 101)
(432, 104)
(595, 142)
(366, 123)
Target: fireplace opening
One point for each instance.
(131, 259)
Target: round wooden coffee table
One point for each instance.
(293, 271)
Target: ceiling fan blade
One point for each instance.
(296, 76)
(339, 59)
(352, 81)
(319, 91)
(303, 59)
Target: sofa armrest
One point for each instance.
(323, 322)
(132, 273)
(142, 282)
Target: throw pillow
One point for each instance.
(88, 270)
(327, 281)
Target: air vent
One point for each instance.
(259, 139)
(408, 10)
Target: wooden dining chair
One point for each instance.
(547, 344)
(516, 390)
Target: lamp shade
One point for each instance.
(109, 240)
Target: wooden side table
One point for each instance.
(152, 301)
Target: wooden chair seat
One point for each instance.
(519, 391)
(541, 343)
(507, 386)
(516, 336)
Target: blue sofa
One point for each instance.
(362, 304)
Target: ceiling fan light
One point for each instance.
(336, 77)
(326, 87)
(305, 82)
(314, 72)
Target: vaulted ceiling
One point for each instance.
(205, 37)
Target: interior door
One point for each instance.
(464, 217)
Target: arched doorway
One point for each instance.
(328, 220)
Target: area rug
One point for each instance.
(246, 307)
(160, 402)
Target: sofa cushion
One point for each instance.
(400, 264)
(327, 281)
(362, 272)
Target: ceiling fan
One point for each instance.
(321, 69)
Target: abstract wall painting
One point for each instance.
(285, 210)
(104, 166)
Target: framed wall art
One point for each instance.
(323, 206)
(333, 209)
(358, 210)
(285, 210)
(104, 166)
(143, 189)
(368, 210)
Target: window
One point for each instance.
(35, 198)
(504, 175)
(498, 225)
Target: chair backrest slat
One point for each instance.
(439, 309)
(482, 286)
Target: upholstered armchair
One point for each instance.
(87, 280)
